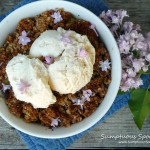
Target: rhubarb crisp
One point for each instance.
(68, 108)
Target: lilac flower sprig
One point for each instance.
(85, 97)
(87, 94)
(55, 122)
(23, 86)
(104, 65)
(57, 17)
(113, 19)
(93, 27)
(79, 102)
(82, 53)
(23, 39)
(49, 60)
(134, 49)
(5, 87)
(66, 39)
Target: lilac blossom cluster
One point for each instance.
(134, 47)
(85, 97)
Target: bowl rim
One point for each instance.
(115, 90)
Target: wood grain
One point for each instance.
(120, 123)
(138, 10)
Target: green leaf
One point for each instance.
(136, 53)
(121, 92)
(139, 105)
(147, 72)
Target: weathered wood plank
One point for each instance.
(139, 11)
(6, 5)
(120, 123)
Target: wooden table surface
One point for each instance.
(120, 123)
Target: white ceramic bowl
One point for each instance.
(9, 24)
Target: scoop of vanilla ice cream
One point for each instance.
(78, 41)
(69, 73)
(23, 71)
(47, 44)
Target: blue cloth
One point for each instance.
(34, 143)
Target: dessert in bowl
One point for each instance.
(61, 69)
